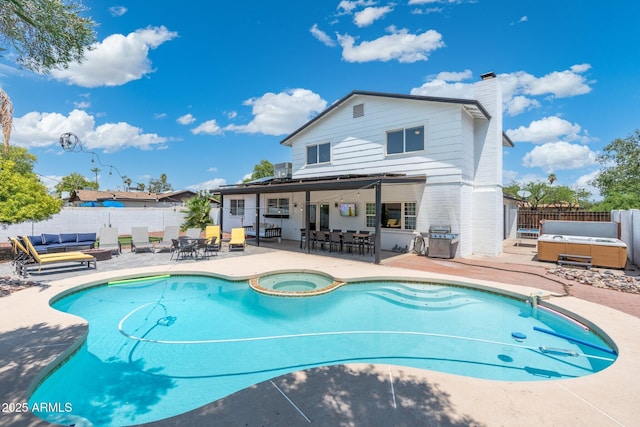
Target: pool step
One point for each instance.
(411, 300)
(580, 260)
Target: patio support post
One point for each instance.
(307, 204)
(221, 218)
(378, 237)
(257, 221)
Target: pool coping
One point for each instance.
(605, 398)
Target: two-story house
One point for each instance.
(390, 163)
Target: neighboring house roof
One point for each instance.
(138, 196)
(473, 107)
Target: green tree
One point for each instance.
(197, 209)
(538, 193)
(512, 190)
(619, 178)
(74, 181)
(22, 159)
(160, 185)
(262, 170)
(23, 197)
(46, 34)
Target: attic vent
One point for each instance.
(358, 111)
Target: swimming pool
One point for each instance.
(163, 346)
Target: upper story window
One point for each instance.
(405, 140)
(236, 207)
(319, 153)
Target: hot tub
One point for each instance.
(604, 251)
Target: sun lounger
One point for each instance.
(140, 240)
(238, 240)
(109, 239)
(171, 232)
(54, 258)
(214, 238)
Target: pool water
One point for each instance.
(164, 346)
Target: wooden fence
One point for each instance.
(531, 218)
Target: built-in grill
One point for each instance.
(442, 243)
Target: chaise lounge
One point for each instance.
(31, 257)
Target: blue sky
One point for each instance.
(202, 91)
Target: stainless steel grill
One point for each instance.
(442, 243)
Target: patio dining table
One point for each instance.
(195, 245)
(360, 238)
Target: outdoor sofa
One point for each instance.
(48, 243)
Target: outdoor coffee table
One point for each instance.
(98, 254)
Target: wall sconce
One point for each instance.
(336, 204)
(295, 204)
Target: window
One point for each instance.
(320, 153)
(394, 215)
(277, 207)
(405, 140)
(237, 207)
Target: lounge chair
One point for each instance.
(54, 258)
(238, 240)
(140, 240)
(170, 232)
(109, 239)
(214, 238)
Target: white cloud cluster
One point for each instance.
(187, 119)
(400, 45)
(117, 10)
(369, 15)
(44, 129)
(348, 7)
(545, 130)
(117, 60)
(518, 88)
(210, 127)
(321, 36)
(281, 113)
(559, 155)
(211, 184)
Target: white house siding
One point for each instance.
(358, 145)
(488, 223)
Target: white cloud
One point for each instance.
(212, 169)
(322, 36)
(187, 119)
(544, 130)
(349, 6)
(559, 155)
(211, 184)
(117, 60)
(117, 10)
(586, 182)
(210, 127)
(400, 45)
(44, 129)
(281, 113)
(82, 105)
(519, 89)
(369, 15)
(524, 19)
(438, 87)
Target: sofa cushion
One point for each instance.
(68, 237)
(86, 237)
(35, 240)
(48, 239)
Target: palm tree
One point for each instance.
(552, 178)
(6, 118)
(197, 213)
(96, 170)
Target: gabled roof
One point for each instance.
(473, 107)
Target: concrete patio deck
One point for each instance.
(32, 335)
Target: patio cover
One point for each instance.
(336, 182)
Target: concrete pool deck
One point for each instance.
(32, 335)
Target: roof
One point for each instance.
(334, 182)
(139, 196)
(472, 106)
